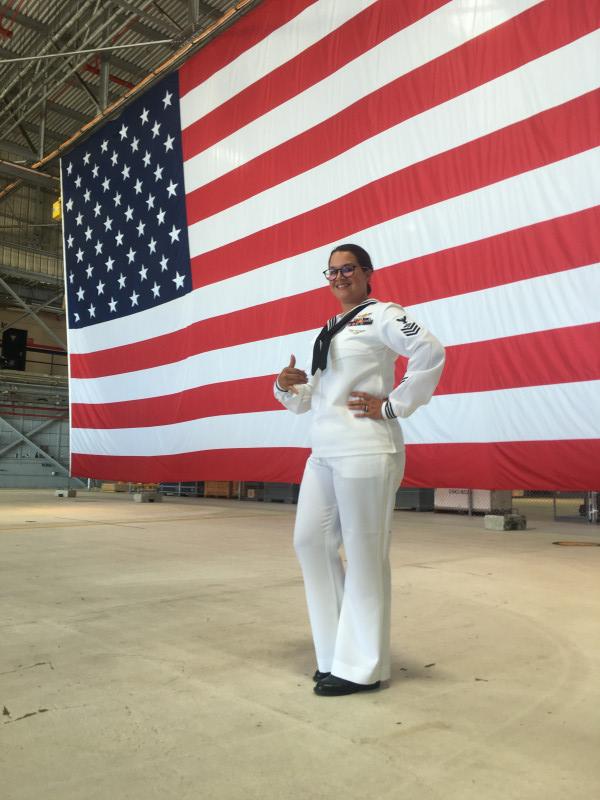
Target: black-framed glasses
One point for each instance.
(331, 273)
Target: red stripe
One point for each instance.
(528, 36)
(533, 359)
(359, 34)
(527, 360)
(551, 246)
(540, 140)
(568, 464)
(247, 31)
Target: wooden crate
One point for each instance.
(119, 486)
(221, 488)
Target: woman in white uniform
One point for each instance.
(356, 465)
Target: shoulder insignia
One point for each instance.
(408, 328)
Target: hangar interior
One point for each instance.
(48, 102)
(161, 650)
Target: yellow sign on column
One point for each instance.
(56, 209)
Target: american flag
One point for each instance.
(456, 141)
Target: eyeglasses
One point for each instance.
(331, 273)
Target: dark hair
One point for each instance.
(361, 255)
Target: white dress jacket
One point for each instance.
(361, 358)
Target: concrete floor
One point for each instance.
(163, 651)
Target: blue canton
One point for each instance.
(125, 231)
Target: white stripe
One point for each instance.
(488, 108)
(558, 300)
(548, 302)
(430, 37)
(538, 413)
(551, 191)
(304, 30)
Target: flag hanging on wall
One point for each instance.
(456, 141)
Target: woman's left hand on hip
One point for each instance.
(365, 405)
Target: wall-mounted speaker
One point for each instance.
(14, 348)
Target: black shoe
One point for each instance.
(318, 676)
(333, 686)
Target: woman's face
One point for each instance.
(350, 290)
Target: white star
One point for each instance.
(89, 270)
(122, 279)
(100, 287)
(119, 238)
(97, 209)
(123, 132)
(69, 204)
(134, 298)
(178, 280)
(146, 159)
(167, 99)
(163, 263)
(138, 186)
(95, 170)
(140, 227)
(131, 255)
(155, 129)
(161, 216)
(150, 201)
(92, 310)
(117, 199)
(105, 184)
(69, 168)
(109, 264)
(80, 293)
(158, 173)
(129, 214)
(125, 171)
(171, 189)
(104, 146)
(114, 158)
(76, 315)
(174, 234)
(108, 223)
(144, 116)
(78, 181)
(79, 218)
(86, 158)
(156, 290)
(143, 273)
(70, 241)
(98, 247)
(86, 195)
(112, 304)
(71, 277)
(134, 144)
(152, 245)
(88, 233)
(168, 143)
(79, 255)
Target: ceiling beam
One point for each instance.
(17, 150)
(57, 108)
(163, 25)
(25, 21)
(32, 176)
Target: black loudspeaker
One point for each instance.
(14, 348)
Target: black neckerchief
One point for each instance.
(321, 347)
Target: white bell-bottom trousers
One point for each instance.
(348, 501)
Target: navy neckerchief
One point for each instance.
(321, 346)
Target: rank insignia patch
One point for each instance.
(408, 328)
